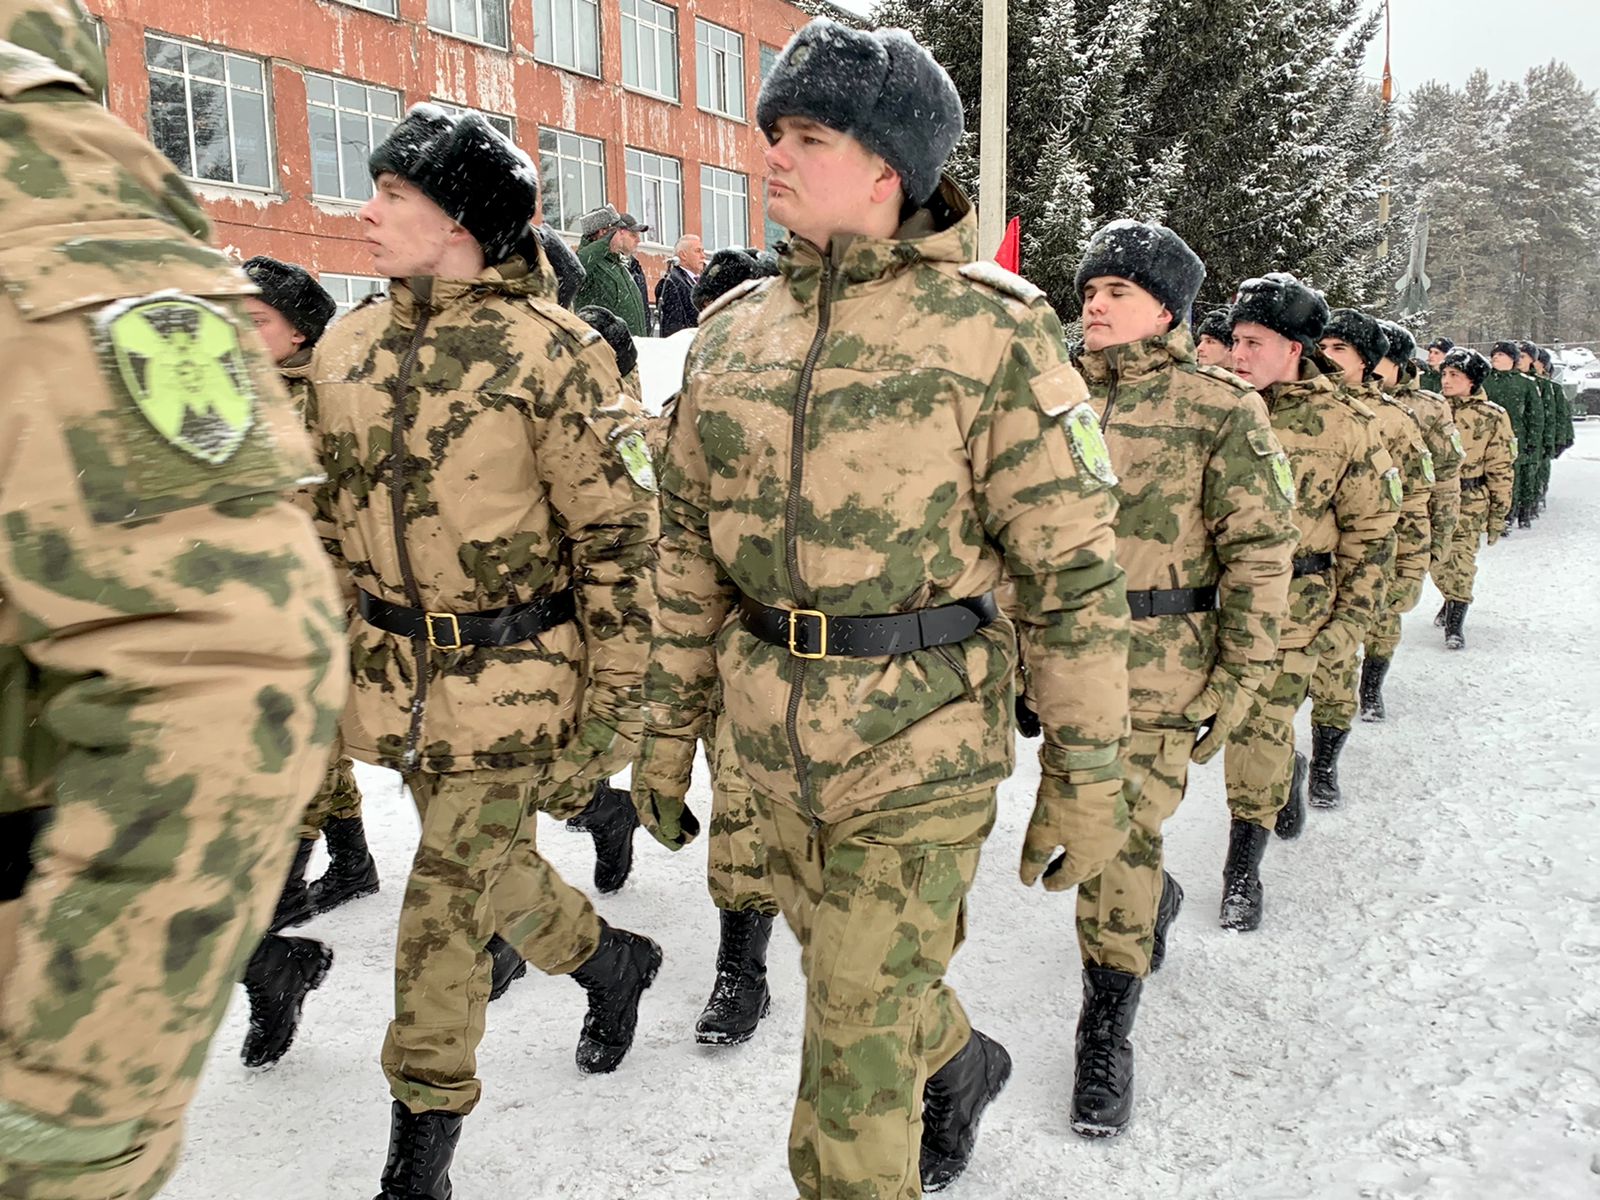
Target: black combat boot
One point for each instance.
(1438, 617)
(1326, 743)
(739, 998)
(1524, 516)
(1241, 876)
(1455, 619)
(953, 1101)
(281, 972)
(616, 975)
(1166, 914)
(1373, 670)
(351, 873)
(1102, 1088)
(294, 902)
(508, 966)
(610, 819)
(1291, 821)
(421, 1146)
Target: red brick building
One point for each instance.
(271, 108)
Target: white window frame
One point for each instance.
(478, 6)
(506, 125)
(337, 107)
(645, 23)
(350, 290)
(383, 8)
(102, 41)
(719, 67)
(657, 194)
(767, 58)
(229, 88)
(719, 183)
(564, 139)
(568, 57)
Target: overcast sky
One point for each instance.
(1448, 39)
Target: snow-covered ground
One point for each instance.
(1418, 1017)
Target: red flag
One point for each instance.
(1010, 256)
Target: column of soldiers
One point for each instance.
(1195, 526)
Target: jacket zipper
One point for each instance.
(397, 504)
(791, 518)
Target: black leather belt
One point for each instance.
(450, 631)
(1313, 564)
(807, 633)
(1171, 602)
(1471, 483)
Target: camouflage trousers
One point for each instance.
(1383, 639)
(1259, 758)
(477, 872)
(736, 857)
(878, 903)
(1333, 691)
(338, 797)
(1117, 909)
(107, 1017)
(1460, 567)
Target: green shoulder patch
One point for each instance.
(1455, 442)
(1516, 447)
(1283, 475)
(1391, 486)
(180, 360)
(1427, 467)
(635, 454)
(1266, 445)
(1089, 444)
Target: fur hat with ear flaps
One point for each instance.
(1360, 332)
(1470, 363)
(468, 168)
(881, 88)
(1284, 305)
(303, 301)
(1149, 255)
(1402, 349)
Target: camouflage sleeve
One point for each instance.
(321, 502)
(1366, 506)
(693, 596)
(594, 459)
(1413, 529)
(1444, 501)
(1499, 467)
(1043, 481)
(1248, 511)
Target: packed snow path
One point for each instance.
(1418, 1017)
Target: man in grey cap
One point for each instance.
(610, 282)
(865, 448)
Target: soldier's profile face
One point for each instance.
(1346, 357)
(282, 339)
(1213, 352)
(1435, 357)
(1500, 361)
(1263, 356)
(406, 232)
(1455, 384)
(1117, 311)
(821, 182)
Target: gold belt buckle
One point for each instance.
(822, 632)
(455, 631)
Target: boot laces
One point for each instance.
(1097, 1059)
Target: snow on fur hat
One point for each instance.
(1217, 324)
(1548, 361)
(1470, 363)
(469, 169)
(1528, 348)
(1360, 332)
(1284, 305)
(882, 88)
(1402, 346)
(1149, 255)
(303, 301)
(727, 269)
(1506, 347)
(616, 333)
(1442, 343)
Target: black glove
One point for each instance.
(1027, 720)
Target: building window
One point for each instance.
(567, 34)
(572, 176)
(347, 120)
(719, 69)
(655, 194)
(496, 121)
(650, 47)
(476, 20)
(350, 290)
(769, 59)
(100, 42)
(724, 208)
(208, 112)
(386, 7)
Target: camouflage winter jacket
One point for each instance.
(1204, 500)
(1509, 389)
(1347, 500)
(885, 428)
(481, 453)
(1444, 444)
(1401, 434)
(1488, 444)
